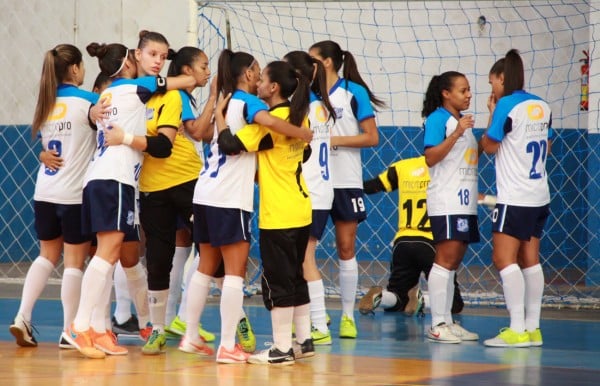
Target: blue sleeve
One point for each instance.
(500, 119)
(361, 104)
(253, 107)
(187, 112)
(435, 129)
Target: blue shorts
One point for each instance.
(220, 226)
(521, 222)
(455, 227)
(348, 205)
(108, 205)
(319, 221)
(55, 220)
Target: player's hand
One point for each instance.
(51, 159)
(491, 103)
(465, 122)
(99, 111)
(307, 134)
(113, 135)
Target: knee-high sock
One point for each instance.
(70, 293)
(302, 322)
(122, 296)
(188, 276)
(92, 285)
(438, 285)
(318, 311)
(232, 298)
(534, 290)
(35, 282)
(157, 303)
(175, 281)
(137, 284)
(348, 285)
(281, 320)
(449, 298)
(98, 321)
(514, 295)
(196, 300)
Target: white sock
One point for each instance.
(196, 300)
(534, 290)
(70, 292)
(188, 276)
(157, 302)
(281, 320)
(175, 281)
(302, 322)
(514, 296)
(35, 282)
(98, 320)
(437, 285)
(122, 297)
(92, 285)
(137, 284)
(348, 285)
(318, 311)
(388, 299)
(232, 299)
(449, 298)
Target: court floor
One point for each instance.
(390, 350)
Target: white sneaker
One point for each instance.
(64, 343)
(461, 333)
(273, 356)
(22, 330)
(442, 334)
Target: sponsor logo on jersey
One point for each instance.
(471, 156)
(59, 111)
(419, 172)
(321, 114)
(535, 111)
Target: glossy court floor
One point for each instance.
(390, 350)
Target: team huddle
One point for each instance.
(127, 163)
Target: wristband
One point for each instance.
(127, 139)
(488, 200)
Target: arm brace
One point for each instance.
(158, 146)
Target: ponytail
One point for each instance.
(330, 49)
(291, 84)
(54, 71)
(514, 77)
(229, 68)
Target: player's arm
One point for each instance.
(228, 143)
(158, 146)
(283, 127)
(385, 182)
(486, 200)
(435, 154)
(369, 136)
(488, 145)
(200, 128)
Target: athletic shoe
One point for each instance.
(156, 343)
(178, 327)
(107, 343)
(442, 334)
(146, 332)
(415, 302)
(347, 328)
(82, 341)
(237, 355)
(245, 335)
(273, 356)
(130, 327)
(22, 330)
(195, 348)
(305, 349)
(370, 301)
(461, 333)
(320, 338)
(535, 337)
(509, 338)
(64, 344)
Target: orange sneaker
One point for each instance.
(237, 355)
(146, 332)
(107, 343)
(82, 341)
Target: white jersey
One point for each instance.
(522, 123)
(316, 170)
(352, 106)
(67, 130)
(227, 181)
(122, 163)
(453, 186)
